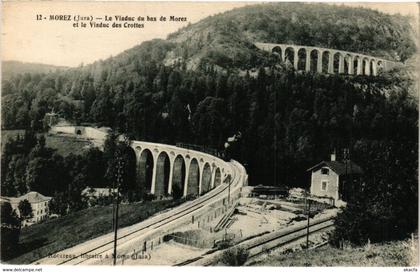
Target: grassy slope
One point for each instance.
(395, 253)
(63, 144)
(67, 144)
(53, 235)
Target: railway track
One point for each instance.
(285, 239)
(267, 242)
(95, 248)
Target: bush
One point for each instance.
(177, 192)
(190, 197)
(367, 220)
(384, 203)
(25, 209)
(235, 256)
(10, 231)
(104, 200)
(167, 238)
(223, 244)
(149, 197)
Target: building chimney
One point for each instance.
(333, 156)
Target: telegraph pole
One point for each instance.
(119, 177)
(346, 182)
(113, 205)
(229, 144)
(227, 156)
(307, 229)
(229, 191)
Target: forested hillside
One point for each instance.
(10, 68)
(208, 81)
(226, 39)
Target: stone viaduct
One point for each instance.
(162, 169)
(329, 61)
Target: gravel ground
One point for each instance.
(169, 253)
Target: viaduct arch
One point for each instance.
(165, 170)
(327, 60)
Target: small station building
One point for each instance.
(334, 179)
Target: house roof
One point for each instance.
(88, 191)
(339, 168)
(32, 197)
(260, 188)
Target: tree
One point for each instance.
(177, 191)
(110, 149)
(173, 83)
(74, 193)
(59, 204)
(119, 151)
(384, 205)
(44, 175)
(25, 209)
(102, 108)
(178, 115)
(10, 231)
(210, 121)
(95, 168)
(236, 256)
(43, 103)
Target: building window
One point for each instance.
(324, 185)
(325, 171)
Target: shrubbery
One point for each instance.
(10, 231)
(236, 256)
(384, 205)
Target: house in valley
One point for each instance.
(39, 204)
(334, 179)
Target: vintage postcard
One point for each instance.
(265, 134)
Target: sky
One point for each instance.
(26, 39)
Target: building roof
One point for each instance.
(63, 123)
(51, 114)
(32, 197)
(262, 188)
(339, 168)
(104, 129)
(88, 191)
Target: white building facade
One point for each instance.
(39, 204)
